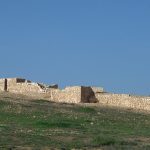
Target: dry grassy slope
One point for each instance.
(27, 123)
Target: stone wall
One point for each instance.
(17, 85)
(2, 84)
(124, 101)
(68, 95)
(75, 94)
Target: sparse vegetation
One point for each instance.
(41, 124)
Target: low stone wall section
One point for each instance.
(124, 101)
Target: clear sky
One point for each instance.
(77, 42)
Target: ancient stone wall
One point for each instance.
(2, 84)
(75, 94)
(124, 100)
(68, 95)
(23, 86)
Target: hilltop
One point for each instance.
(74, 94)
(27, 123)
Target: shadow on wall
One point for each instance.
(5, 85)
(88, 95)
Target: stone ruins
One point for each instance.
(74, 94)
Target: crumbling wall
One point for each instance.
(23, 86)
(124, 100)
(54, 86)
(76, 94)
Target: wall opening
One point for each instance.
(5, 85)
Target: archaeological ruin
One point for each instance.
(73, 94)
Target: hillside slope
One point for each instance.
(27, 123)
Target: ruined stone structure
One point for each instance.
(19, 85)
(74, 94)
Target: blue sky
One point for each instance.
(77, 42)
